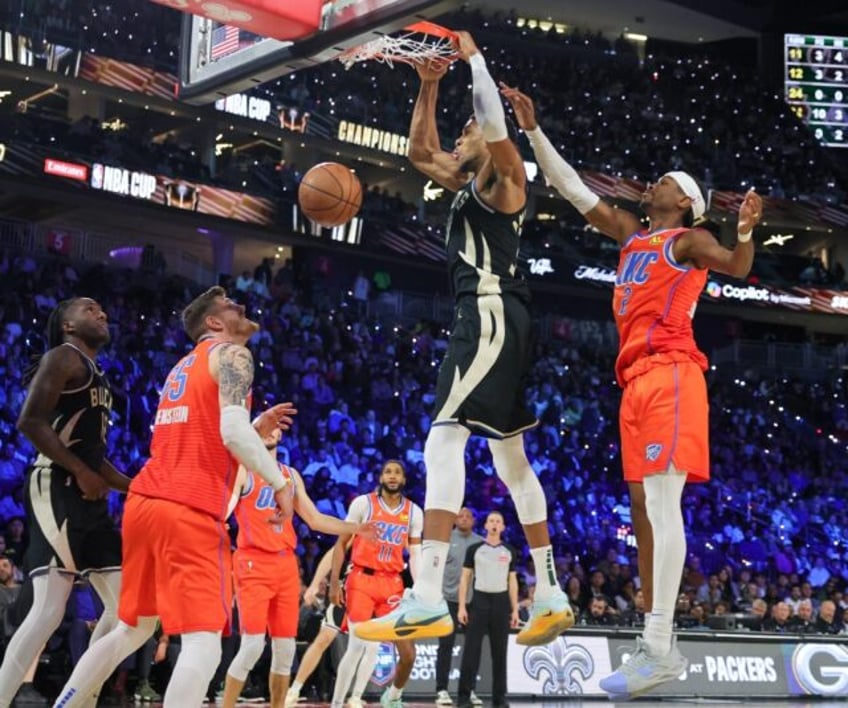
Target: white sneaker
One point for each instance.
(443, 699)
(292, 698)
(475, 701)
(644, 671)
(356, 702)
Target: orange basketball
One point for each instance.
(330, 194)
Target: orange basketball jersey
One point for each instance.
(256, 506)
(654, 301)
(386, 554)
(188, 461)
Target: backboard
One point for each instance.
(217, 60)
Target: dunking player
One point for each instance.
(66, 417)
(334, 622)
(374, 581)
(662, 271)
(267, 578)
(479, 388)
(177, 562)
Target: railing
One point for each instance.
(88, 247)
(808, 361)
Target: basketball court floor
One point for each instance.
(811, 702)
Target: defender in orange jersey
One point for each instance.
(177, 563)
(661, 273)
(267, 578)
(374, 584)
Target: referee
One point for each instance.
(491, 563)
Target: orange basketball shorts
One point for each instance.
(267, 592)
(177, 565)
(371, 595)
(664, 420)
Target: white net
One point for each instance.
(409, 48)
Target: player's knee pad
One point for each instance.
(250, 650)
(512, 466)
(201, 653)
(282, 655)
(444, 458)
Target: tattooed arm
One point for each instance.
(232, 368)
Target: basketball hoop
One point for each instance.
(421, 43)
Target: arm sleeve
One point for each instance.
(244, 442)
(488, 109)
(562, 176)
(469, 555)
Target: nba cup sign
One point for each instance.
(126, 183)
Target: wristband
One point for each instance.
(744, 238)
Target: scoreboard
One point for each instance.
(816, 84)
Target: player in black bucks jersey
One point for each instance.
(480, 385)
(66, 417)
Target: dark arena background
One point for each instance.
(146, 155)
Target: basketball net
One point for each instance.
(421, 43)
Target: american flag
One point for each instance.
(225, 40)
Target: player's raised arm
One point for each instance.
(56, 369)
(510, 178)
(232, 366)
(425, 150)
(701, 248)
(615, 223)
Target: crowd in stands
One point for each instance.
(773, 517)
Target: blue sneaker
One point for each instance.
(411, 619)
(548, 619)
(644, 671)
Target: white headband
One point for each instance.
(690, 189)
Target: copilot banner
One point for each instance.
(720, 665)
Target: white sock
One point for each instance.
(428, 584)
(346, 669)
(108, 589)
(101, 659)
(394, 692)
(200, 655)
(296, 686)
(663, 493)
(50, 595)
(365, 669)
(546, 580)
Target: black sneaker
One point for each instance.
(252, 694)
(28, 696)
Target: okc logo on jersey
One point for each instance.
(391, 533)
(636, 268)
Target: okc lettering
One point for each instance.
(391, 533)
(636, 268)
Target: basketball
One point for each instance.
(330, 194)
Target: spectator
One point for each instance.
(778, 621)
(826, 622)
